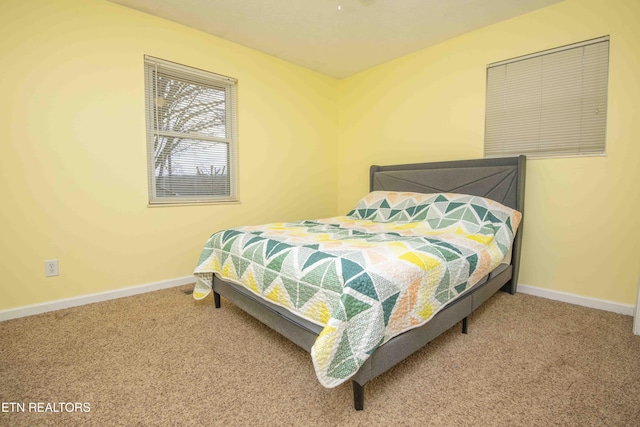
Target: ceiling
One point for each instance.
(336, 37)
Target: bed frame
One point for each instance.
(500, 179)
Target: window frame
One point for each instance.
(154, 66)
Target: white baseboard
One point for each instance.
(30, 310)
(599, 304)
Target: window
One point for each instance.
(191, 134)
(551, 103)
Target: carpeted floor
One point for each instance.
(164, 359)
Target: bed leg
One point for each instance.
(216, 299)
(465, 324)
(509, 287)
(358, 396)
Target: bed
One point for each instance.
(417, 255)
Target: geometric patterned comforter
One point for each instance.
(386, 267)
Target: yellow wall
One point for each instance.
(73, 162)
(73, 159)
(581, 232)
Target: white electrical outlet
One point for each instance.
(51, 268)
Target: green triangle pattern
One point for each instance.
(363, 284)
(461, 287)
(274, 247)
(305, 293)
(388, 305)
(350, 269)
(453, 206)
(470, 217)
(331, 281)
(316, 257)
(448, 255)
(480, 210)
(291, 286)
(316, 274)
(240, 265)
(268, 278)
(254, 253)
(276, 263)
(353, 306)
(443, 292)
(473, 263)
(343, 363)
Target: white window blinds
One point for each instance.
(191, 134)
(551, 103)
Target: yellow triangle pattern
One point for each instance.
(426, 312)
(422, 260)
(228, 270)
(323, 345)
(252, 282)
(319, 312)
(279, 295)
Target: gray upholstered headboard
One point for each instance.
(500, 179)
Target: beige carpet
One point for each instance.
(164, 359)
